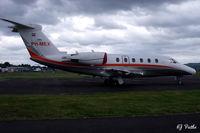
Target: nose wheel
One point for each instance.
(179, 80)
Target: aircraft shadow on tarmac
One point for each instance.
(90, 85)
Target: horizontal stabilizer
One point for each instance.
(18, 25)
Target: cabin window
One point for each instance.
(149, 60)
(133, 59)
(156, 60)
(125, 60)
(117, 59)
(141, 60)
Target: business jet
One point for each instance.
(114, 68)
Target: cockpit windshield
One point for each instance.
(171, 60)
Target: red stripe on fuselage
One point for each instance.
(35, 56)
(137, 65)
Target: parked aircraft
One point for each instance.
(113, 67)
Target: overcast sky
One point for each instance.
(164, 27)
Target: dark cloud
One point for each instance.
(170, 20)
(11, 9)
(187, 31)
(24, 2)
(154, 26)
(47, 11)
(106, 6)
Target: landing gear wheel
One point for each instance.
(179, 81)
(115, 83)
(111, 82)
(106, 81)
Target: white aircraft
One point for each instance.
(113, 67)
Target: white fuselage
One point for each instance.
(123, 66)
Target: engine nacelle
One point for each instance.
(90, 58)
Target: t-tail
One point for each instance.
(36, 42)
(42, 50)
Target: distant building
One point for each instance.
(25, 68)
(15, 69)
(4, 69)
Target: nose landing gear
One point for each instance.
(179, 80)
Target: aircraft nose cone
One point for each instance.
(188, 70)
(191, 71)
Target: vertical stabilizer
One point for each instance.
(35, 40)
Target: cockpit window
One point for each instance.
(172, 61)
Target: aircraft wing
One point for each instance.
(117, 72)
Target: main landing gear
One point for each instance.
(179, 80)
(114, 81)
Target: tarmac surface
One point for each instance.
(90, 85)
(188, 123)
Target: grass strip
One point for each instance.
(34, 107)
